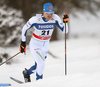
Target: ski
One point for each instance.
(4, 84)
(16, 80)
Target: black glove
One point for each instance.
(65, 18)
(22, 47)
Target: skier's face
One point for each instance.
(48, 15)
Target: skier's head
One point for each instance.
(48, 10)
(48, 7)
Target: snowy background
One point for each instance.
(83, 52)
(83, 65)
(11, 22)
(83, 60)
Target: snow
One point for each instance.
(83, 65)
(84, 24)
(83, 58)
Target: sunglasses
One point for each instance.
(49, 13)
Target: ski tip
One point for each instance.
(5, 84)
(11, 77)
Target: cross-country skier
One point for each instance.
(43, 25)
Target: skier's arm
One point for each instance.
(27, 26)
(60, 24)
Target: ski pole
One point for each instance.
(9, 58)
(65, 50)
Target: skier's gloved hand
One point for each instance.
(22, 47)
(65, 18)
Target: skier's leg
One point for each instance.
(32, 69)
(26, 72)
(39, 51)
(40, 60)
(38, 55)
(41, 63)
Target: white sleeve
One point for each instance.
(60, 24)
(27, 26)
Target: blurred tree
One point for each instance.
(32, 7)
(10, 22)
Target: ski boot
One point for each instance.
(26, 76)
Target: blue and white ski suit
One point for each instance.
(39, 42)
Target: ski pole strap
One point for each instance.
(65, 23)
